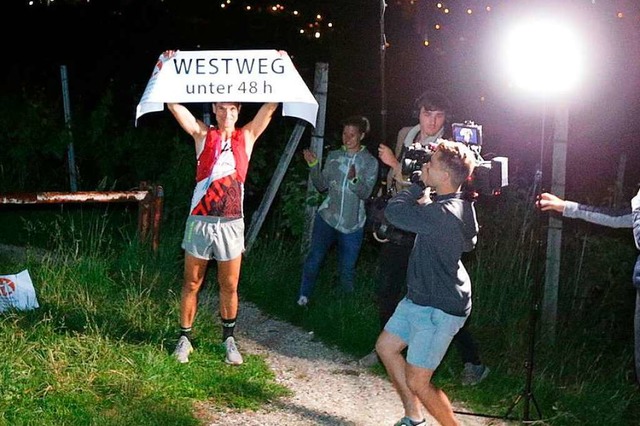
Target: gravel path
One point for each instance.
(329, 387)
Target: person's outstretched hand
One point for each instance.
(386, 156)
(550, 202)
(168, 54)
(309, 156)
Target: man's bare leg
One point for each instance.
(228, 278)
(389, 348)
(434, 399)
(194, 272)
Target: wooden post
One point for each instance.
(158, 203)
(258, 217)
(144, 211)
(320, 86)
(554, 233)
(71, 157)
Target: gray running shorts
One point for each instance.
(214, 238)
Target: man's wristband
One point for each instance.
(313, 163)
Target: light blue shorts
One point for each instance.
(214, 238)
(427, 331)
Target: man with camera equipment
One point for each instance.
(438, 298)
(613, 218)
(413, 148)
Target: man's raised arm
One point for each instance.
(255, 127)
(194, 127)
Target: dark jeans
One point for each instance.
(322, 238)
(393, 263)
(392, 270)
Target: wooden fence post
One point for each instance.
(320, 88)
(158, 203)
(320, 93)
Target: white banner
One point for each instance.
(17, 292)
(229, 76)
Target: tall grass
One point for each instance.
(97, 351)
(584, 377)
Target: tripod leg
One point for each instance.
(535, 404)
(515, 403)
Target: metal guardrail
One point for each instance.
(150, 201)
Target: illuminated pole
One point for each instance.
(545, 57)
(554, 232)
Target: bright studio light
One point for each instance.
(544, 57)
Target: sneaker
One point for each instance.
(183, 349)
(233, 356)
(303, 301)
(406, 421)
(474, 374)
(369, 360)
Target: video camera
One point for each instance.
(415, 156)
(488, 177)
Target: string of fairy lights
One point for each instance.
(310, 24)
(316, 24)
(438, 15)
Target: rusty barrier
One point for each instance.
(150, 201)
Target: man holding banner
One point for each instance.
(215, 226)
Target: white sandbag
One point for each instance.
(17, 292)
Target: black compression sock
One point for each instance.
(228, 327)
(186, 331)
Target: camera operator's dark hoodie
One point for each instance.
(445, 229)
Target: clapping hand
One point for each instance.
(352, 172)
(309, 156)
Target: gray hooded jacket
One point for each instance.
(343, 208)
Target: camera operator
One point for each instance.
(438, 298)
(613, 218)
(433, 110)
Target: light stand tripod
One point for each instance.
(527, 393)
(526, 396)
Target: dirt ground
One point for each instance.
(329, 387)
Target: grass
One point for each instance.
(97, 350)
(583, 377)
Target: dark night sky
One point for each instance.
(117, 42)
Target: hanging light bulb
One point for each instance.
(425, 39)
